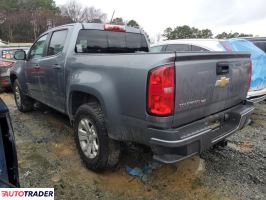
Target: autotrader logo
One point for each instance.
(27, 193)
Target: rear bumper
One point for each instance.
(257, 99)
(172, 145)
(257, 96)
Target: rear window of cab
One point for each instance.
(97, 41)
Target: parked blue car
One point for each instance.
(258, 81)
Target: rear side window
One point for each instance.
(178, 47)
(197, 48)
(57, 42)
(157, 48)
(96, 41)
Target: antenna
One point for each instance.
(112, 17)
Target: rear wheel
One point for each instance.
(96, 149)
(24, 103)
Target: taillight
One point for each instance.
(6, 63)
(161, 91)
(114, 28)
(249, 74)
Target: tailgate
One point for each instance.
(208, 83)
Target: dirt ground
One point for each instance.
(47, 157)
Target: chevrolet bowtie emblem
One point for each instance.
(222, 82)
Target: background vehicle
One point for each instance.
(114, 90)
(260, 42)
(6, 62)
(189, 45)
(257, 90)
(8, 156)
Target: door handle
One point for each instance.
(222, 68)
(56, 66)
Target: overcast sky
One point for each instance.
(247, 16)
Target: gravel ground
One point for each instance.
(48, 158)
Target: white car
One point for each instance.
(187, 45)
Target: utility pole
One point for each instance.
(112, 17)
(49, 24)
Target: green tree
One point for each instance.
(185, 32)
(33, 5)
(8, 5)
(205, 33)
(245, 35)
(133, 23)
(169, 33)
(224, 35)
(182, 32)
(24, 20)
(118, 21)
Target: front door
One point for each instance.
(35, 56)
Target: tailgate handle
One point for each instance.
(222, 68)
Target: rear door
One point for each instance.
(208, 83)
(51, 73)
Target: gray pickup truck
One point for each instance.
(114, 90)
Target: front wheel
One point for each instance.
(96, 149)
(24, 103)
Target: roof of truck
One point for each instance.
(97, 26)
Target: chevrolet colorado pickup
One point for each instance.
(114, 90)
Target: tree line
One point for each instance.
(184, 32)
(25, 20)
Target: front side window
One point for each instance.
(38, 48)
(57, 42)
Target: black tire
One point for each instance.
(26, 103)
(108, 150)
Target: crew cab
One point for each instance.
(114, 90)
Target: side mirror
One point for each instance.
(20, 55)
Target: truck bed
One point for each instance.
(197, 95)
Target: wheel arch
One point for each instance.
(79, 97)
